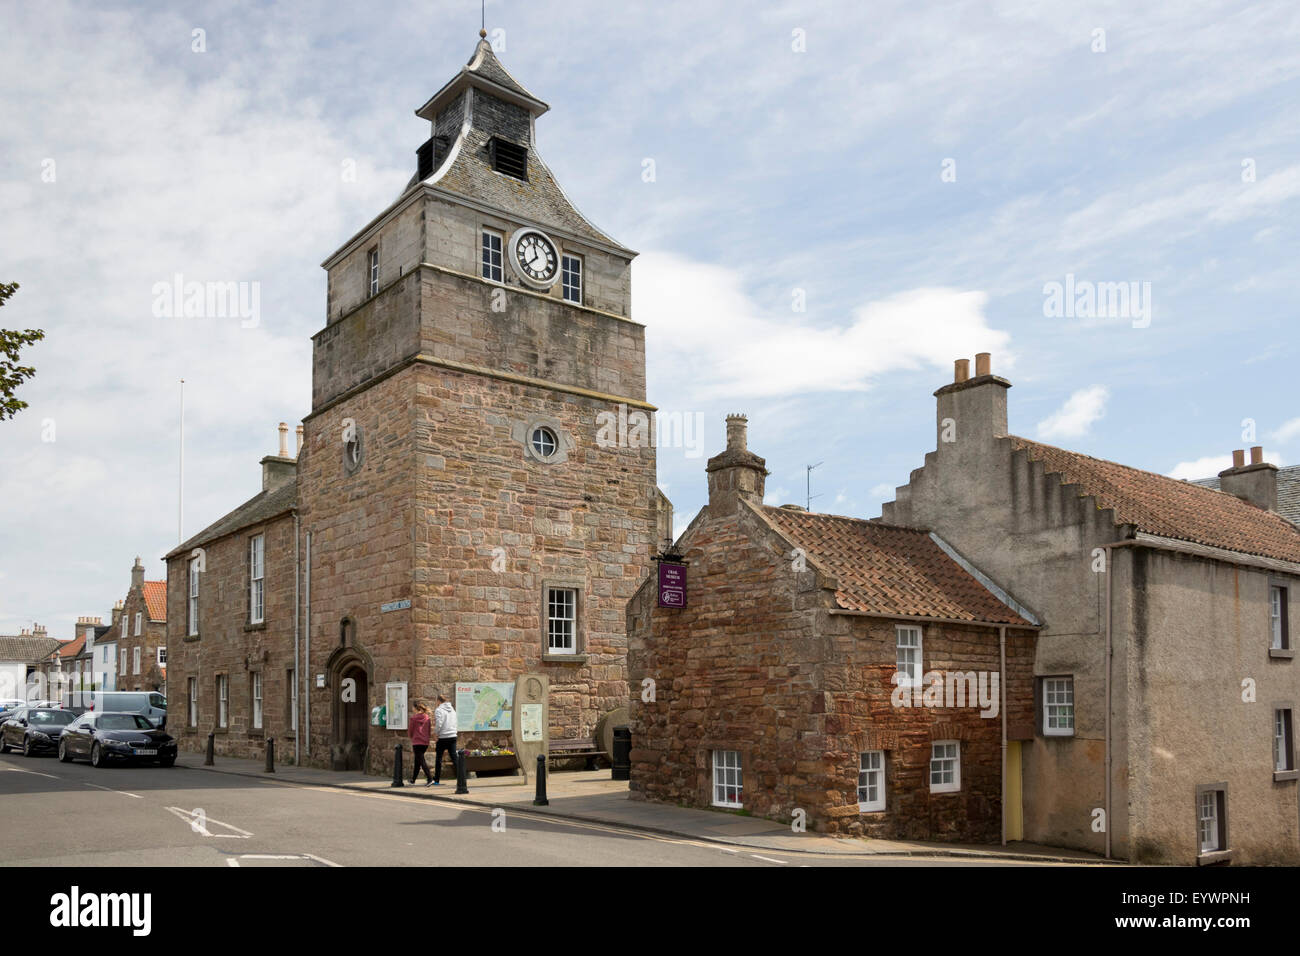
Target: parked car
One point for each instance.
(34, 730)
(45, 703)
(150, 703)
(9, 704)
(103, 736)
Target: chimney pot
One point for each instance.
(983, 363)
(297, 432)
(284, 440)
(1257, 455)
(1238, 458)
(961, 370)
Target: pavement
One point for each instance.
(592, 797)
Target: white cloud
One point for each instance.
(1211, 465)
(705, 330)
(1077, 415)
(1288, 431)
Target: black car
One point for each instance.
(34, 730)
(104, 736)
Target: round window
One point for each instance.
(544, 442)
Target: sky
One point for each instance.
(832, 201)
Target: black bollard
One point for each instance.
(212, 749)
(461, 786)
(270, 755)
(398, 780)
(540, 799)
(621, 764)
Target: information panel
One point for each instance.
(484, 706)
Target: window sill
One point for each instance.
(261, 626)
(1281, 776)
(564, 658)
(189, 638)
(1058, 735)
(257, 733)
(865, 809)
(221, 730)
(1218, 856)
(1281, 653)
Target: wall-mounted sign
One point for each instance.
(320, 680)
(484, 706)
(672, 585)
(395, 605)
(395, 705)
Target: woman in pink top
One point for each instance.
(419, 729)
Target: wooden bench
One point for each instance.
(575, 747)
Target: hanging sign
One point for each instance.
(672, 585)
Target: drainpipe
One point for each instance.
(297, 608)
(307, 651)
(1002, 690)
(1110, 556)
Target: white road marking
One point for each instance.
(111, 790)
(34, 772)
(767, 859)
(198, 825)
(234, 861)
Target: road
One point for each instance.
(60, 814)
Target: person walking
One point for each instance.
(444, 721)
(419, 729)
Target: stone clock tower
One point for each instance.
(475, 330)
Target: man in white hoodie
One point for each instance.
(444, 724)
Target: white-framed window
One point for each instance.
(907, 641)
(373, 270)
(543, 441)
(193, 689)
(871, 781)
(162, 657)
(123, 625)
(103, 656)
(123, 667)
(257, 700)
(223, 700)
(1283, 750)
(192, 606)
(138, 615)
(1210, 807)
(256, 578)
(492, 261)
(135, 660)
(561, 620)
(945, 766)
(291, 678)
(571, 278)
(1277, 621)
(1058, 706)
(728, 783)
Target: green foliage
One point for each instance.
(11, 373)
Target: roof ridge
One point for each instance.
(873, 522)
(1104, 461)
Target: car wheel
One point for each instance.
(64, 756)
(96, 755)
(27, 746)
(4, 745)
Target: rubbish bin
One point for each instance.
(622, 755)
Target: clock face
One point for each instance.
(535, 257)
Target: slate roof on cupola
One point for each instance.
(466, 168)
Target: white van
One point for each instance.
(148, 703)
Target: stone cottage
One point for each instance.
(453, 515)
(1166, 610)
(864, 674)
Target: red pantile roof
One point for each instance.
(72, 648)
(889, 570)
(1170, 508)
(155, 599)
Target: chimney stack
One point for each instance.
(736, 472)
(137, 574)
(297, 450)
(279, 470)
(1255, 483)
(971, 408)
(117, 613)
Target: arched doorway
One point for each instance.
(351, 723)
(349, 669)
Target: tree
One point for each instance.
(11, 373)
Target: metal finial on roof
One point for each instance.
(482, 33)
